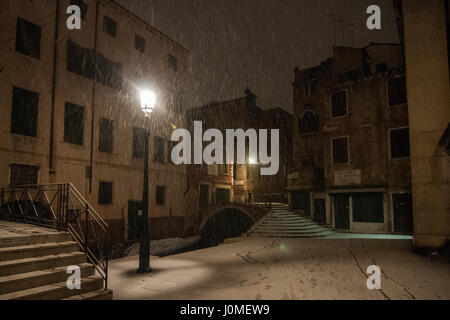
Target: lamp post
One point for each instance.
(148, 99)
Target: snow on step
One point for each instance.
(284, 223)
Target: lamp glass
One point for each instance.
(148, 100)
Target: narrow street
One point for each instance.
(265, 268)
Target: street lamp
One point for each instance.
(148, 100)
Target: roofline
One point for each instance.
(297, 69)
(278, 109)
(216, 103)
(148, 25)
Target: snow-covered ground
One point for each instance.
(264, 268)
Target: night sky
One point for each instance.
(259, 40)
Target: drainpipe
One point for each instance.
(93, 98)
(52, 116)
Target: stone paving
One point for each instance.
(265, 268)
(9, 229)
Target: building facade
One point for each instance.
(70, 101)
(351, 165)
(425, 28)
(225, 183)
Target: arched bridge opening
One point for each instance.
(229, 222)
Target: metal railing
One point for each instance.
(269, 198)
(63, 208)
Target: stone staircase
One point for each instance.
(35, 267)
(284, 223)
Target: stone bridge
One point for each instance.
(222, 221)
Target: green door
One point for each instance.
(341, 212)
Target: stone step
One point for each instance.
(270, 227)
(37, 250)
(283, 215)
(55, 291)
(288, 235)
(24, 240)
(289, 222)
(286, 217)
(40, 263)
(101, 294)
(279, 231)
(28, 280)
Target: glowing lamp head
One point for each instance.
(251, 161)
(148, 101)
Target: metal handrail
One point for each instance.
(63, 208)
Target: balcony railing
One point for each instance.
(63, 208)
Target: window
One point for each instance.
(83, 6)
(109, 72)
(24, 112)
(309, 90)
(340, 150)
(74, 124)
(105, 190)
(80, 60)
(339, 104)
(109, 26)
(160, 195)
(397, 91)
(22, 175)
(308, 123)
(28, 38)
(139, 43)
(106, 136)
(139, 139)
(173, 63)
(399, 143)
(159, 150)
